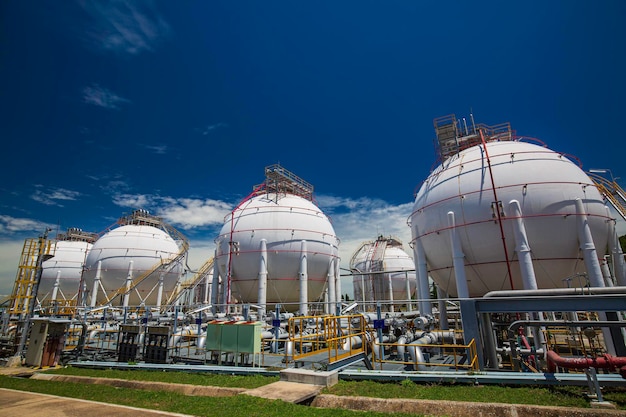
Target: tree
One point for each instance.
(622, 243)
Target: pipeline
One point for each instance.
(605, 361)
(415, 351)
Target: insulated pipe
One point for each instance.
(522, 247)
(457, 259)
(175, 338)
(262, 294)
(55, 289)
(556, 292)
(606, 272)
(590, 256)
(129, 281)
(402, 342)
(337, 285)
(207, 290)
(619, 267)
(390, 285)
(96, 285)
(331, 286)
(605, 361)
(160, 289)
(421, 268)
(379, 349)
(304, 277)
(490, 340)
(407, 284)
(588, 247)
(527, 271)
(415, 351)
(215, 285)
(443, 308)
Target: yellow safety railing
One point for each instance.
(339, 337)
(454, 351)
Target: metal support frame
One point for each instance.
(471, 309)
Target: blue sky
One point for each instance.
(177, 107)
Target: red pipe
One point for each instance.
(605, 361)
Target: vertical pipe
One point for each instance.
(592, 264)
(337, 284)
(304, 278)
(443, 309)
(55, 289)
(522, 247)
(588, 248)
(129, 281)
(407, 285)
(457, 259)
(215, 285)
(96, 285)
(619, 268)
(262, 295)
(423, 294)
(207, 290)
(606, 272)
(159, 298)
(390, 283)
(490, 342)
(331, 285)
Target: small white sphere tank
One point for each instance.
(138, 248)
(283, 221)
(546, 185)
(67, 264)
(379, 256)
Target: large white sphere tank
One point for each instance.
(381, 266)
(66, 265)
(134, 248)
(283, 221)
(546, 185)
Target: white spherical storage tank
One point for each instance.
(131, 251)
(383, 271)
(66, 266)
(480, 193)
(272, 234)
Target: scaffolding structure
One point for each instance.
(34, 253)
(455, 135)
(281, 181)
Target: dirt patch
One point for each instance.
(455, 408)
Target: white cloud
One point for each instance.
(52, 196)
(187, 213)
(190, 213)
(129, 27)
(102, 97)
(358, 220)
(9, 225)
(133, 200)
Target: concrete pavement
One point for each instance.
(21, 403)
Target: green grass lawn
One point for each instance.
(566, 396)
(239, 405)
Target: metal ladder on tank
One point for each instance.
(613, 193)
(377, 266)
(24, 288)
(190, 284)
